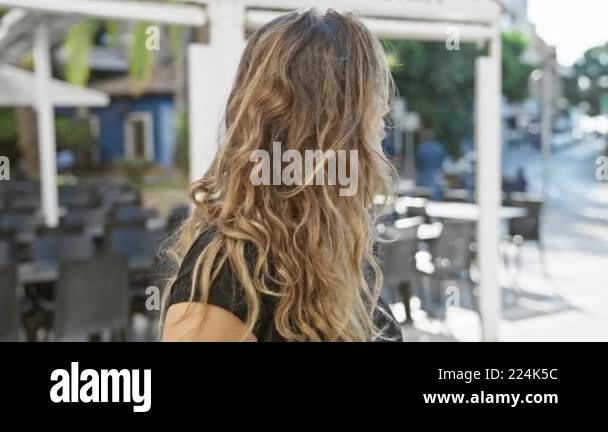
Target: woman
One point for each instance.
(279, 262)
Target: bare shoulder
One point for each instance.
(199, 322)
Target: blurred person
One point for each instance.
(430, 157)
(520, 182)
(289, 263)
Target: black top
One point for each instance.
(226, 293)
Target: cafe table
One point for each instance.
(453, 210)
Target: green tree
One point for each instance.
(439, 84)
(75, 134)
(588, 83)
(79, 43)
(515, 72)
(80, 40)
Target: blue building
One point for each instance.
(136, 126)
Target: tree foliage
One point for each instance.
(439, 84)
(515, 72)
(78, 44)
(8, 130)
(140, 58)
(588, 83)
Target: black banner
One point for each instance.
(151, 380)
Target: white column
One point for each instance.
(547, 123)
(211, 71)
(489, 147)
(46, 126)
(203, 109)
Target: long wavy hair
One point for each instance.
(310, 81)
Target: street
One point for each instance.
(567, 301)
(572, 301)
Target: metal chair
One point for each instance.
(92, 296)
(128, 196)
(397, 255)
(128, 215)
(22, 202)
(54, 247)
(526, 229)
(89, 218)
(62, 229)
(23, 224)
(132, 241)
(137, 244)
(19, 221)
(79, 197)
(23, 186)
(8, 252)
(63, 247)
(9, 315)
(451, 258)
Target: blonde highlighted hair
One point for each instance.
(312, 82)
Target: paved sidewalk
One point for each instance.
(570, 301)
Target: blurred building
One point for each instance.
(139, 123)
(136, 125)
(526, 115)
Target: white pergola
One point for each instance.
(18, 89)
(212, 66)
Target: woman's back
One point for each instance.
(226, 294)
(287, 205)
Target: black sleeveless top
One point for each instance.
(227, 294)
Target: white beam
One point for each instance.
(546, 135)
(10, 20)
(398, 29)
(211, 72)
(124, 10)
(466, 11)
(16, 35)
(204, 115)
(489, 146)
(46, 126)
(18, 88)
(421, 30)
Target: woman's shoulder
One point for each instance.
(225, 290)
(199, 245)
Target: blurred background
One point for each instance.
(81, 263)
